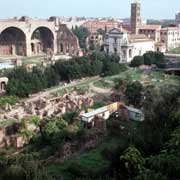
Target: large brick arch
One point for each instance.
(41, 28)
(13, 40)
(28, 26)
(46, 39)
(4, 28)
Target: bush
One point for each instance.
(137, 61)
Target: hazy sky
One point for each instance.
(159, 9)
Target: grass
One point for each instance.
(104, 84)
(98, 104)
(133, 74)
(70, 87)
(37, 62)
(175, 51)
(8, 100)
(154, 77)
(7, 122)
(34, 57)
(175, 78)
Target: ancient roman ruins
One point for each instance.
(27, 37)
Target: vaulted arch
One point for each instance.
(42, 40)
(12, 41)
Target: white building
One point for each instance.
(101, 112)
(170, 36)
(105, 112)
(127, 46)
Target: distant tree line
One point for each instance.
(23, 83)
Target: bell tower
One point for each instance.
(135, 17)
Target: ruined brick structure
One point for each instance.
(67, 42)
(9, 137)
(47, 107)
(28, 37)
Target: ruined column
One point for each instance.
(55, 49)
(28, 46)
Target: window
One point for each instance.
(140, 52)
(137, 116)
(124, 53)
(61, 47)
(130, 53)
(107, 50)
(115, 40)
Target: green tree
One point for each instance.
(134, 93)
(82, 33)
(92, 47)
(101, 31)
(132, 162)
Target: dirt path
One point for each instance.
(47, 93)
(100, 90)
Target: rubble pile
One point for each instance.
(48, 107)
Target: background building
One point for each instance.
(165, 38)
(151, 31)
(127, 46)
(106, 25)
(135, 17)
(177, 18)
(170, 36)
(96, 39)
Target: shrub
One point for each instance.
(137, 61)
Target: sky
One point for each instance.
(151, 9)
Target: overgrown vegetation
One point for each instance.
(8, 100)
(23, 83)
